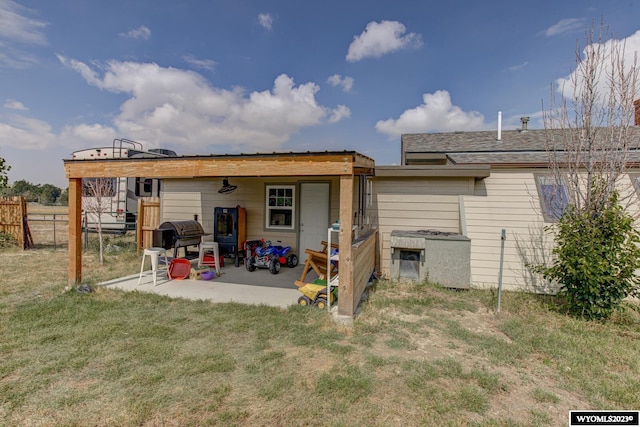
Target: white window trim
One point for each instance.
(292, 208)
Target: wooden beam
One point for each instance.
(75, 231)
(346, 295)
(202, 166)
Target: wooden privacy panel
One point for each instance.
(148, 220)
(363, 255)
(13, 214)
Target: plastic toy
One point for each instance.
(179, 268)
(316, 294)
(285, 256)
(261, 254)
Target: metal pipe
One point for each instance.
(502, 239)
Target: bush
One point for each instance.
(596, 255)
(7, 240)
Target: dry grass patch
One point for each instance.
(417, 355)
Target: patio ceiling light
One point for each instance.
(226, 187)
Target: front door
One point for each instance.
(314, 216)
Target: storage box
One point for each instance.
(211, 260)
(196, 272)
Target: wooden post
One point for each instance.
(75, 231)
(346, 303)
(139, 226)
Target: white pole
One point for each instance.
(499, 125)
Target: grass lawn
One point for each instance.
(417, 355)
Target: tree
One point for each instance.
(96, 202)
(49, 194)
(590, 131)
(25, 189)
(64, 197)
(46, 194)
(4, 169)
(589, 139)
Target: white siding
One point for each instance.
(506, 200)
(509, 200)
(415, 204)
(182, 198)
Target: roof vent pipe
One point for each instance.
(499, 138)
(524, 121)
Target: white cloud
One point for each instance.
(17, 30)
(15, 105)
(15, 58)
(436, 114)
(380, 38)
(26, 133)
(179, 108)
(17, 27)
(91, 135)
(519, 66)
(204, 64)
(87, 73)
(339, 113)
(346, 83)
(631, 47)
(266, 21)
(141, 32)
(568, 25)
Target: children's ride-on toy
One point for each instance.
(285, 256)
(261, 254)
(316, 294)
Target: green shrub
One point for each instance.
(596, 255)
(7, 240)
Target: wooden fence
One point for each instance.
(148, 221)
(13, 220)
(363, 254)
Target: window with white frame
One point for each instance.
(553, 195)
(280, 207)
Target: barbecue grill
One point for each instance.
(178, 234)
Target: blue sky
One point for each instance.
(206, 76)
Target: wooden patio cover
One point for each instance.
(345, 164)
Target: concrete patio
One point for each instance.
(234, 284)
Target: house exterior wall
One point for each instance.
(181, 199)
(508, 200)
(415, 204)
(479, 209)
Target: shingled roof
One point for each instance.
(516, 147)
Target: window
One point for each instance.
(635, 180)
(280, 209)
(554, 198)
(144, 187)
